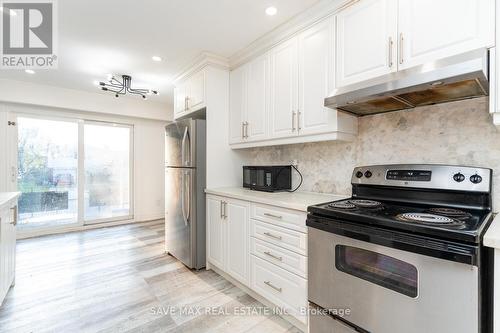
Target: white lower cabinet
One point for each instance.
(8, 220)
(227, 236)
(264, 247)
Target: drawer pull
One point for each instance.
(271, 285)
(272, 215)
(269, 254)
(272, 236)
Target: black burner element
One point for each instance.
(342, 205)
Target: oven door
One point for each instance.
(388, 290)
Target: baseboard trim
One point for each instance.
(39, 233)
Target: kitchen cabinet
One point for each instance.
(8, 221)
(190, 94)
(316, 79)
(227, 237)
(283, 93)
(366, 41)
(278, 98)
(249, 86)
(431, 30)
(378, 37)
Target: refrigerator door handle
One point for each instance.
(188, 192)
(186, 145)
(183, 196)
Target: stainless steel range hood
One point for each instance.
(455, 78)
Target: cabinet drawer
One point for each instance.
(280, 216)
(291, 261)
(289, 239)
(281, 287)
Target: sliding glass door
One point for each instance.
(47, 172)
(73, 172)
(107, 172)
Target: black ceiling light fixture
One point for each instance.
(124, 87)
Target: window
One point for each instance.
(47, 172)
(107, 171)
(377, 268)
(73, 172)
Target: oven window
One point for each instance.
(377, 268)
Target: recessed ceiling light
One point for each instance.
(156, 58)
(29, 71)
(271, 11)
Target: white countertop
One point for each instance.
(492, 236)
(296, 200)
(8, 196)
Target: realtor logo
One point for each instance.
(28, 34)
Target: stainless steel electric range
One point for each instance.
(404, 253)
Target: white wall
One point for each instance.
(43, 95)
(148, 150)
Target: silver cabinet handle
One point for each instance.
(246, 129)
(298, 120)
(272, 215)
(225, 210)
(222, 209)
(14, 212)
(187, 103)
(401, 48)
(272, 236)
(293, 120)
(269, 254)
(390, 52)
(242, 129)
(272, 286)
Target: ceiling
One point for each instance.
(120, 36)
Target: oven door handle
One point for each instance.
(437, 248)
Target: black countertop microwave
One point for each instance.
(268, 178)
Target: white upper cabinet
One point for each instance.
(283, 94)
(316, 79)
(257, 98)
(196, 91)
(431, 30)
(237, 104)
(190, 94)
(366, 41)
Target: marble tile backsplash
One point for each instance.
(454, 133)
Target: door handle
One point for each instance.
(186, 158)
(14, 213)
(188, 193)
(13, 174)
(272, 236)
(273, 286)
(225, 210)
(293, 120)
(183, 197)
(222, 209)
(242, 129)
(246, 129)
(390, 52)
(298, 120)
(401, 48)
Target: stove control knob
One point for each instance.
(476, 179)
(359, 174)
(368, 174)
(458, 177)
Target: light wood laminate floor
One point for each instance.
(119, 279)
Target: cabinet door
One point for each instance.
(196, 91)
(432, 30)
(257, 98)
(283, 94)
(366, 41)
(179, 100)
(316, 61)
(237, 254)
(237, 104)
(215, 232)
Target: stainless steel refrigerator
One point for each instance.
(185, 165)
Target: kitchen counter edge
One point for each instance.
(6, 197)
(291, 200)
